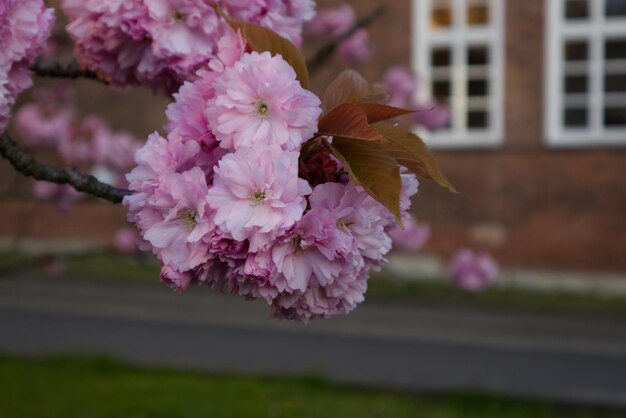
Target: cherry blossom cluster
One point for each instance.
(161, 43)
(51, 122)
(24, 27)
(234, 198)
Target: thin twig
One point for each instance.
(326, 52)
(58, 70)
(28, 166)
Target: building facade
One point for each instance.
(536, 144)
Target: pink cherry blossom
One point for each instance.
(176, 280)
(358, 215)
(61, 196)
(161, 44)
(160, 156)
(412, 237)
(285, 17)
(24, 27)
(183, 28)
(41, 127)
(258, 101)
(356, 48)
(125, 240)
(186, 114)
(332, 22)
(434, 115)
(310, 253)
(230, 48)
(114, 150)
(257, 194)
(176, 219)
(400, 84)
(472, 271)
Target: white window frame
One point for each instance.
(458, 37)
(595, 30)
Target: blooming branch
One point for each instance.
(27, 165)
(58, 70)
(324, 53)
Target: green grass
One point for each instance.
(68, 387)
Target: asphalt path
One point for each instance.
(569, 357)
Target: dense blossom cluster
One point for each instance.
(24, 27)
(226, 199)
(50, 122)
(161, 43)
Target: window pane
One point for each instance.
(441, 57)
(441, 89)
(477, 55)
(477, 119)
(576, 51)
(477, 12)
(615, 49)
(477, 87)
(615, 8)
(575, 118)
(576, 9)
(441, 14)
(615, 116)
(615, 83)
(575, 84)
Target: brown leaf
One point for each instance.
(372, 168)
(351, 87)
(411, 152)
(261, 39)
(377, 112)
(349, 121)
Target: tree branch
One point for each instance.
(325, 53)
(28, 166)
(58, 70)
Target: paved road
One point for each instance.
(569, 358)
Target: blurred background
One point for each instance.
(524, 105)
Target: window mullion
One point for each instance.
(596, 69)
(459, 85)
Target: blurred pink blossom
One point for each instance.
(356, 48)
(61, 196)
(125, 240)
(331, 22)
(432, 115)
(39, 127)
(400, 84)
(472, 271)
(412, 237)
